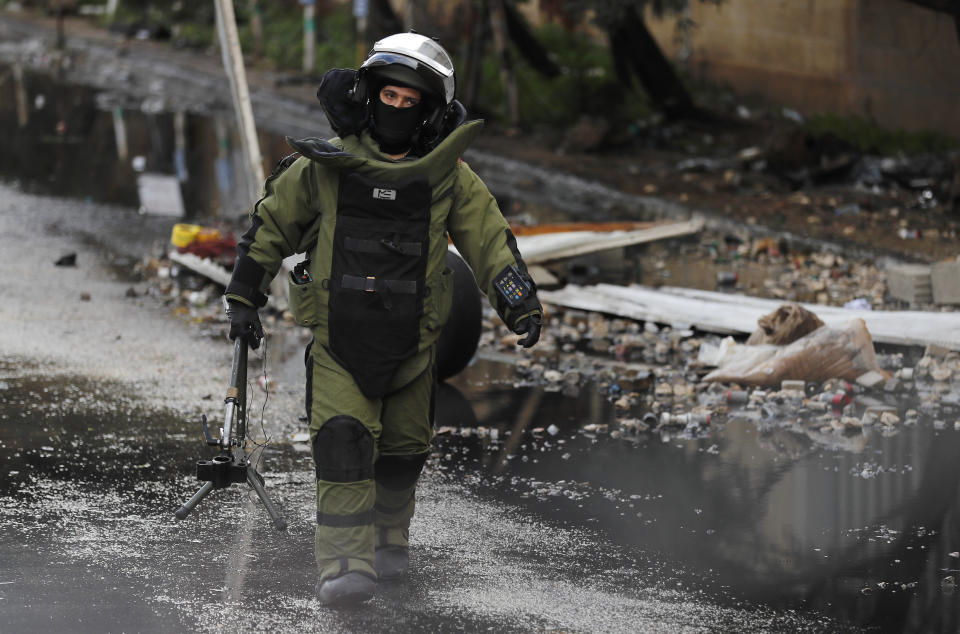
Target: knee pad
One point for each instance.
(399, 472)
(343, 450)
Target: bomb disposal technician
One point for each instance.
(373, 208)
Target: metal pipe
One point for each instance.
(184, 510)
(253, 479)
(228, 417)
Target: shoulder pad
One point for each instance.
(284, 163)
(314, 148)
(336, 95)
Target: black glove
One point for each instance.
(529, 326)
(244, 322)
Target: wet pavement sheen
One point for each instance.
(862, 527)
(745, 528)
(576, 536)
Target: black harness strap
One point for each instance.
(383, 245)
(345, 521)
(373, 285)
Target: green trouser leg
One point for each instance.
(348, 431)
(343, 537)
(396, 478)
(343, 452)
(407, 418)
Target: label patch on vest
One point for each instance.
(384, 194)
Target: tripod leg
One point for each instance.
(184, 510)
(253, 479)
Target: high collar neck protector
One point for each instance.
(394, 128)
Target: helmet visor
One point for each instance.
(418, 47)
(444, 85)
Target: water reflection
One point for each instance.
(86, 143)
(47, 433)
(861, 528)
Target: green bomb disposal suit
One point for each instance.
(376, 233)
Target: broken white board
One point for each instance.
(727, 313)
(546, 247)
(216, 273)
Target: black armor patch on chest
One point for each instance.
(378, 276)
(362, 197)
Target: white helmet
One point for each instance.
(395, 56)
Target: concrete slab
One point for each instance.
(910, 283)
(945, 282)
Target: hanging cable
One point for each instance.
(260, 446)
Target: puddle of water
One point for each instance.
(863, 530)
(70, 134)
(95, 480)
(91, 482)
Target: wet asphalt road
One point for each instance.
(90, 543)
(99, 400)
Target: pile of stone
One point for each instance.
(652, 379)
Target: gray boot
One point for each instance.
(391, 562)
(347, 589)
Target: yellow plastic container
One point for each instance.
(207, 234)
(184, 235)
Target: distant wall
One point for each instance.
(887, 59)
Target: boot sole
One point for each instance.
(347, 598)
(396, 576)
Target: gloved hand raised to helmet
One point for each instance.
(244, 322)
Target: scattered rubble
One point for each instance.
(654, 376)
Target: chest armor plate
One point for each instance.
(378, 275)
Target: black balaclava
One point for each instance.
(393, 128)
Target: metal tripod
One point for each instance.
(231, 466)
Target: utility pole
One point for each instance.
(309, 35)
(361, 9)
(256, 26)
(409, 14)
(237, 75)
(19, 86)
(498, 21)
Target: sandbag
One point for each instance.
(785, 325)
(825, 353)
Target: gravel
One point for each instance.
(84, 320)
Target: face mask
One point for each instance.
(392, 127)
